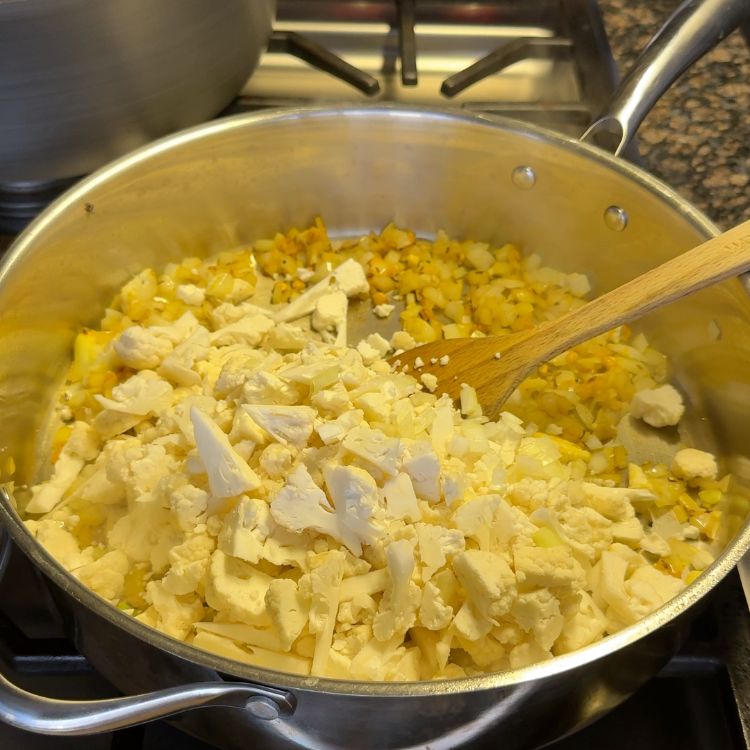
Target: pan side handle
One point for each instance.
(692, 30)
(35, 713)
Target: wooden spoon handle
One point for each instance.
(719, 258)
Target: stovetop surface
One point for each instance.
(558, 75)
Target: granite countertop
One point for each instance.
(697, 138)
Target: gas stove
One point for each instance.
(541, 61)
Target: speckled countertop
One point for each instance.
(697, 138)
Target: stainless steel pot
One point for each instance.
(83, 82)
(221, 184)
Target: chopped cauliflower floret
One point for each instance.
(246, 528)
(290, 425)
(143, 393)
(489, 582)
(189, 564)
(190, 294)
(142, 348)
(228, 474)
(288, 610)
(691, 463)
(238, 589)
(383, 310)
(659, 407)
(547, 567)
(398, 607)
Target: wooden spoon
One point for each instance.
(495, 365)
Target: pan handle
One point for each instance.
(35, 713)
(692, 30)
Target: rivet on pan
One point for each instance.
(262, 708)
(524, 178)
(615, 218)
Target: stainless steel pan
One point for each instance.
(230, 181)
(83, 82)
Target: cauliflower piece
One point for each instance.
(250, 331)
(59, 543)
(105, 576)
(334, 430)
(188, 503)
(255, 655)
(288, 610)
(83, 442)
(607, 583)
(547, 567)
(190, 294)
(189, 565)
(334, 400)
(421, 463)
(434, 613)
(436, 546)
(383, 310)
(586, 625)
(435, 647)
(321, 586)
(302, 505)
(357, 499)
(285, 548)
(287, 338)
(539, 612)
(226, 313)
(470, 624)
(82, 446)
(237, 589)
(475, 519)
(614, 503)
(178, 365)
(486, 652)
(400, 498)
(246, 528)
(176, 617)
(489, 582)
(402, 341)
(525, 654)
(368, 352)
(142, 348)
(290, 425)
(49, 494)
(659, 407)
(349, 277)
(364, 584)
(398, 607)
(691, 463)
(330, 313)
(228, 474)
(648, 588)
(628, 532)
(361, 608)
(375, 447)
(378, 343)
(267, 388)
(276, 460)
(143, 393)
